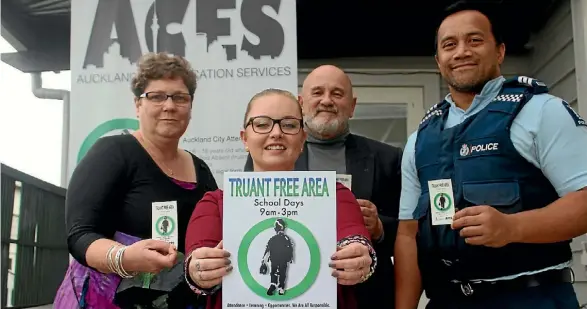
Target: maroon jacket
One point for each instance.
(205, 230)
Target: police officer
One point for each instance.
(511, 161)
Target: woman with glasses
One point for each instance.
(273, 134)
(121, 187)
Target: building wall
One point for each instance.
(553, 57)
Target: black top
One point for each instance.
(113, 188)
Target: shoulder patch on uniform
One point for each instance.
(576, 117)
(536, 85)
(529, 81)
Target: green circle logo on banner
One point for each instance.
(103, 129)
(309, 278)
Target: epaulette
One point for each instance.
(435, 110)
(536, 86)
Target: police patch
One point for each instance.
(576, 117)
(464, 150)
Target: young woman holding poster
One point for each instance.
(129, 200)
(275, 148)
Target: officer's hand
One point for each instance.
(351, 264)
(371, 218)
(209, 265)
(483, 225)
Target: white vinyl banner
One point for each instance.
(237, 47)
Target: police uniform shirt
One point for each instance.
(546, 132)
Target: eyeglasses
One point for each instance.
(159, 97)
(265, 124)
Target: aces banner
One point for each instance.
(237, 47)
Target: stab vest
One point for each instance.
(485, 169)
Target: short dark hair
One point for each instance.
(154, 66)
(486, 8)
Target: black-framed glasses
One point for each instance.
(265, 124)
(158, 97)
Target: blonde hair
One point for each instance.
(266, 92)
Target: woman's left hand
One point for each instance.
(351, 264)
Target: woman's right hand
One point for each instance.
(209, 265)
(149, 256)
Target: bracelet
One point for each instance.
(120, 270)
(192, 284)
(364, 241)
(110, 260)
(114, 264)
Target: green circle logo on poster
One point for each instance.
(110, 127)
(309, 278)
(164, 226)
(442, 202)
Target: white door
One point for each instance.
(387, 114)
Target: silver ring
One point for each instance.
(365, 276)
(198, 265)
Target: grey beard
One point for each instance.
(332, 128)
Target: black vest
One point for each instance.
(485, 169)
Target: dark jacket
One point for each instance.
(376, 176)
